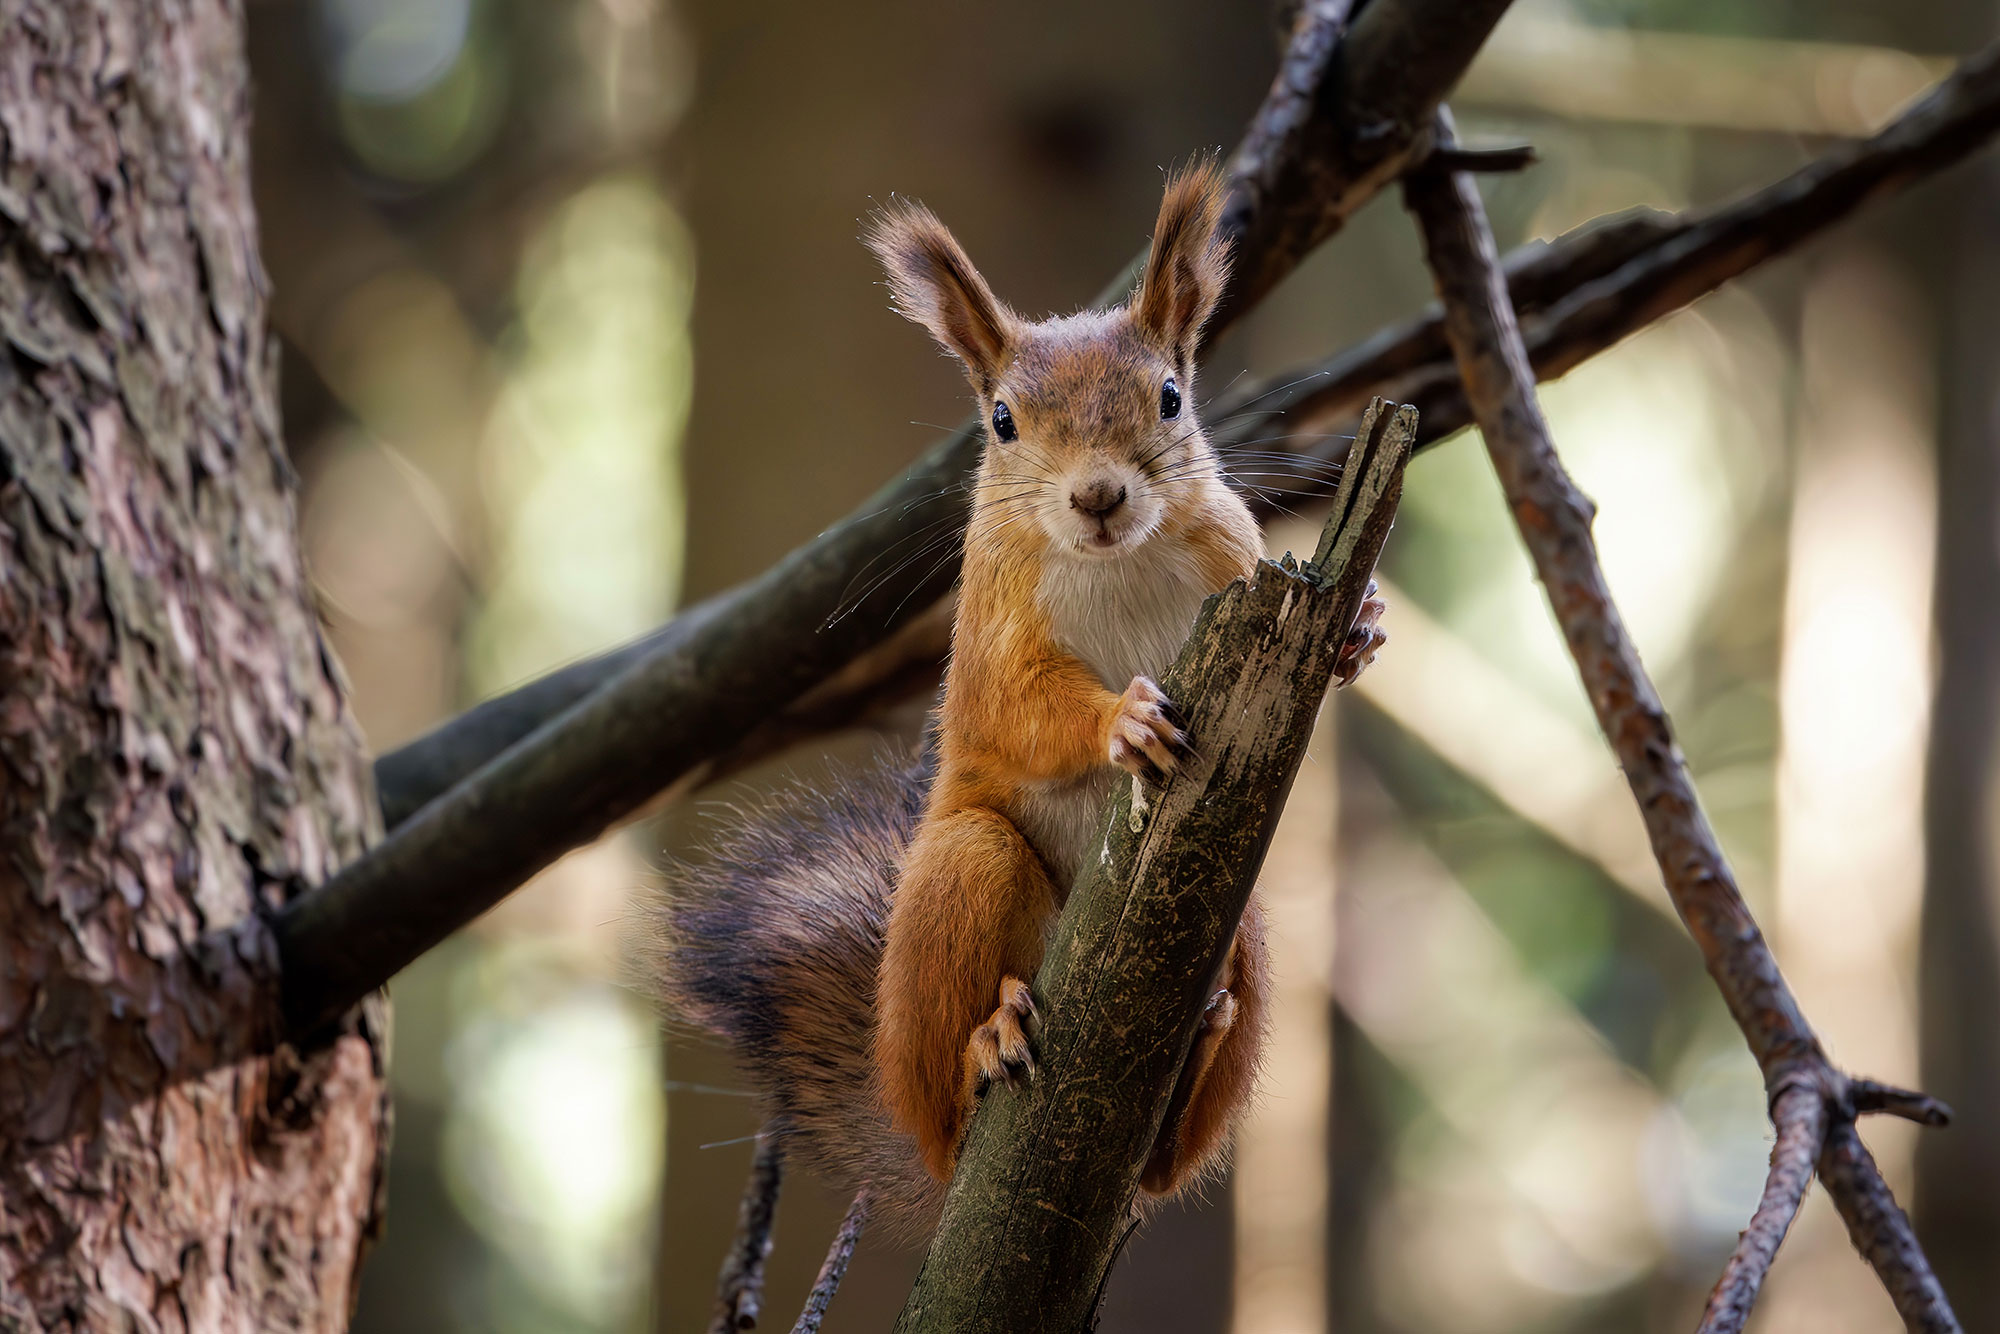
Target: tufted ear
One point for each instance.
(1188, 264)
(935, 285)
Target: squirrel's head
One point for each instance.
(1090, 418)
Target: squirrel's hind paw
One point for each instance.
(999, 1049)
(1363, 642)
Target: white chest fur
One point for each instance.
(1123, 618)
(1128, 617)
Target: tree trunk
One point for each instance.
(1958, 1174)
(175, 752)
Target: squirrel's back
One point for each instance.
(773, 942)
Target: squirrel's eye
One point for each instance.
(1003, 423)
(1170, 400)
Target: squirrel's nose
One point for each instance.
(1098, 500)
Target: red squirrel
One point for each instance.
(868, 951)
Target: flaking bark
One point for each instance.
(175, 752)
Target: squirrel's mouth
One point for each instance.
(1101, 535)
(1110, 538)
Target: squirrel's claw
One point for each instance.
(1363, 642)
(999, 1049)
(1147, 736)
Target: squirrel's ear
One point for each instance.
(935, 285)
(1188, 264)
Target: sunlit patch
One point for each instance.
(582, 457)
(419, 88)
(555, 1132)
(1281, 1161)
(1855, 691)
(1522, 1190)
(392, 50)
(1674, 465)
(1706, 1150)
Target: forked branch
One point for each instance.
(1344, 114)
(1554, 518)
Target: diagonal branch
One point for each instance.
(1343, 118)
(1582, 293)
(834, 1267)
(1047, 1175)
(1800, 1116)
(739, 1289)
(1555, 522)
(710, 678)
(1881, 1231)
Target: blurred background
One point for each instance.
(576, 329)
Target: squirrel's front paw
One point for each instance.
(999, 1047)
(1146, 733)
(1363, 642)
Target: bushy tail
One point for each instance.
(772, 944)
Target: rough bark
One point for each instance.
(1047, 1175)
(175, 753)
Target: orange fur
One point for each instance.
(1222, 1070)
(977, 918)
(1070, 602)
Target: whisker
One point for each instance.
(1225, 389)
(1279, 389)
(904, 553)
(1276, 456)
(1173, 442)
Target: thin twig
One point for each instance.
(834, 1267)
(711, 678)
(739, 1289)
(1554, 519)
(1800, 1116)
(1344, 115)
(1868, 1095)
(1881, 1231)
(1589, 289)
(1484, 161)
